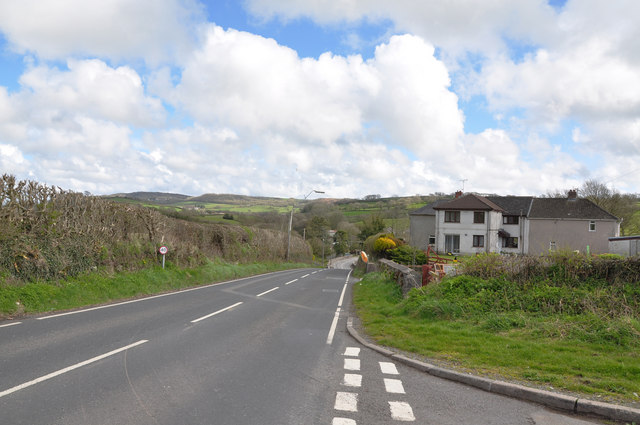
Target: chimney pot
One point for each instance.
(573, 194)
(458, 194)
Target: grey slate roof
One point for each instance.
(527, 206)
(470, 202)
(428, 209)
(562, 208)
(513, 205)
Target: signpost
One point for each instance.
(163, 250)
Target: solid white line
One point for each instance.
(9, 324)
(388, 368)
(393, 386)
(302, 277)
(217, 312)
(334, 324)
(346, 401)
(291, 281)
(401, 411)
(344, 289)
(70, 368)
(352, 351)
(352, 364)
(266, 292)
(352, 380)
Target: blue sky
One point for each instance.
(274, 98)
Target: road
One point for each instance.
(271, 349)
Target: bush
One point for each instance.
(408, 255)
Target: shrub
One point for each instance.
(382, 245)
(409, 255)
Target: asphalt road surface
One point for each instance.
(271, 349)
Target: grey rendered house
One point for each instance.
(472, 224)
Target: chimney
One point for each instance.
(458, 194)
(572, 195)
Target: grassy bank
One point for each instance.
(492, 328)
(101, 287)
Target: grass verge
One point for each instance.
(99, 288)
(592, 356)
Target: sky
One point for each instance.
(282, 97)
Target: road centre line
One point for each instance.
(334, 324)
(302, 277)
(70, 368)
(6, 325)
(266, 292)
(152, 297)
(291, 281)
(217, 312)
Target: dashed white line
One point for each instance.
(352, 380)
(302, 277)
(9, 324)
(266, 292)
(352, 351)
(346, 402)
(343, 421)
(352, 364)
(291, 281)
(68, 369)
(393, 386)
(334, 324)
(388, 368)
(217, 312)
(401, 411)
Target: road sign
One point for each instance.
(163, 250)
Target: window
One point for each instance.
(592, 226)
(552, 246)
(478, 217)
(510, 219)
(510, 242)
(478, 241)
(452, 216)
(432, 240)
(452, 243)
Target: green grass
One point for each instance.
(579, 353)
(98, 288)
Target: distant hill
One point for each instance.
(153, 197)
(225, 198)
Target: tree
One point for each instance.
(341, 245)
(370, 226)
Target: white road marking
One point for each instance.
(346, 402)
(266, 292)
(217, 312)
(291, 281)
(352, 351)
(388, 368)
(334, 324)
(352, 380)
(70, 368)
(344, 289)
(352, 364)
(401, 411)
(151, 297)
(393, 386)
(343, 421)
(302, 277)
(10, 324)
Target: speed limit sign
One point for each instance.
(163, 250)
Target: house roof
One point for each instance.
(470, 202)
(513, 205)
(563, 208)
(428, 209)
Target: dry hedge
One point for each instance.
(48, 233)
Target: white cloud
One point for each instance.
(156, 30)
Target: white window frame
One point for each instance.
(592, 226)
